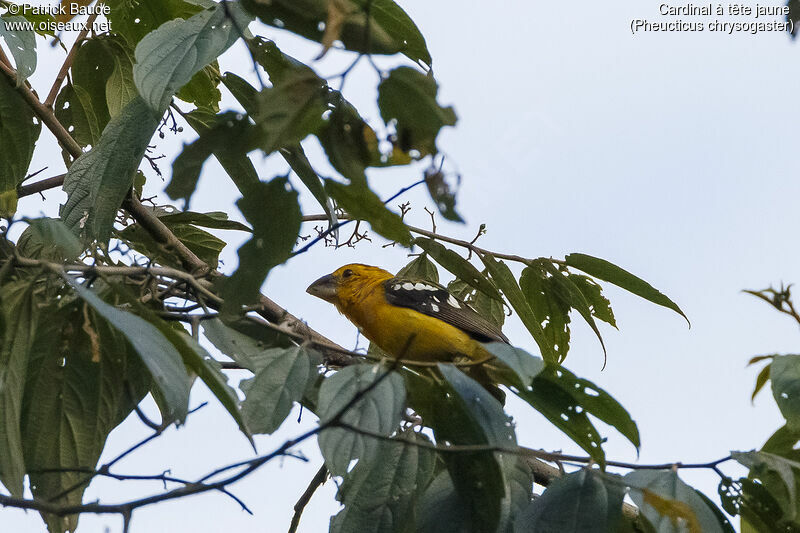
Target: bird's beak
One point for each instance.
(324, 287)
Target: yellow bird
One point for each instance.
(410, 319)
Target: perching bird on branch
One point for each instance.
(411, 319)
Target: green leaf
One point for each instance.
(546, 303)
(44, 23)
(343, 136)
(280, 380)
(290, 110)
(602, 269)
(669, 504)
(598, 304)
(723, 521)
(134, 20)
(203, 89)
(19, 130)
(441, 194)
(471, 416)
(75, 110)
(279, 66)
(22, 44)
(120, 88)
(761, 380)
(158, 354)
(441, 510)
(504, 279)
(273, 211)
(420, 268)
(83, 380)
(226, 137)
(581, 501)
(293, 155)
(379, 495)
(361, 203)
(458, 266)
(212, 219)
(785, 376)
(390, 28)
(377, 411)
(49, 238)
(232, 156)
(202, 243)
(98, 181)
(167, 58)
(241, 343)
(20, 314)
(760, 462)
(408, 97)
(524, 365)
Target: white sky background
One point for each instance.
(668, 154)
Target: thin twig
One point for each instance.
(317, 481)
(62, 73)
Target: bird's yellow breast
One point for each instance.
(409, 334)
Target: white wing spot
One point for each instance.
(408, 286)
(396, 287)
(436, 299)
(435, 308)
(452, 301)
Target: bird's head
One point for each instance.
(347, 282)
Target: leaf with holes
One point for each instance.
(547, 303)
(408, 97)
(390, 29)
(168, 58)
(376, 411)
(606, 271)
(785, 376)
(273, 211)
(134, 20)
(670, 504)
(203, 89)
(280, 380)
(98, 181)
(489, 308)
(586, 500)
(22, 44)
(502, 277)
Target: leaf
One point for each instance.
(440, 509)
(20, 314)
(379, 495)
(390, 28)
(489, 308)
(504, 279)
(376, 411)
(343, 136)
(761, 380)
(22, 44)
(167, 58)
(602, 269)
(235, 342)
(598, 304)
(669, 504)
(49, 238)
(280, 380)
(19, 130)
(524, 365)
(458, 266)
(231, 155)
(227, 137)
(420, 268)
(120, 88)
(581, 501)
(441, 194)
(273, 211)
(785, 376)
(471, 416)
(279, 66)
(158, 354)
(290, 110)
(408, 97)
(203, 89)
(761, 462)
(75, 110)
(361, 203)
(213, 219)
(98, 181)
(71, 9)
(547, 303)
(135, 20)
(83, 380)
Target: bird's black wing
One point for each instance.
(434, 300)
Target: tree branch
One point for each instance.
(317, 481)
(62, 73)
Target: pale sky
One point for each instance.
(668, 154)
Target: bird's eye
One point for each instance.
(347, 273)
